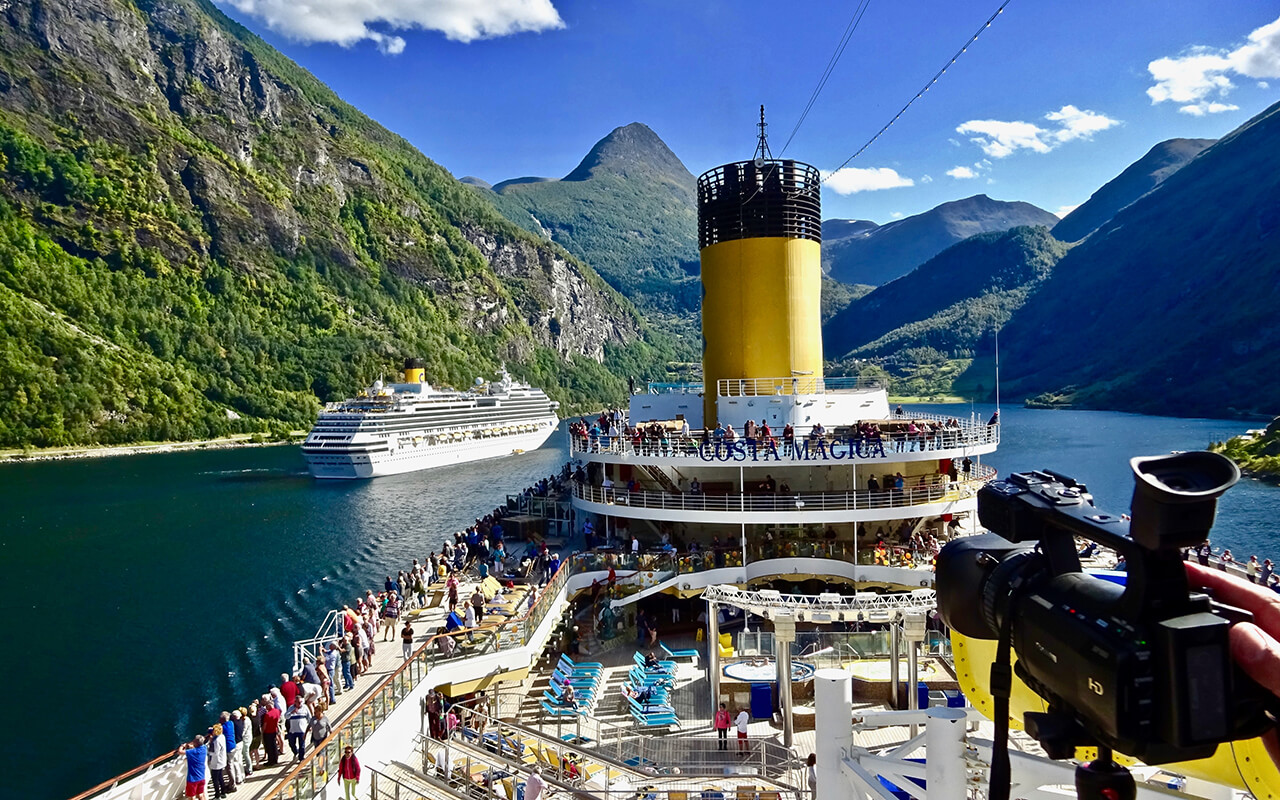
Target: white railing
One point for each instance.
(794, 384)
(767, 603)
(803, 446)
(329, 631)
(937, 492)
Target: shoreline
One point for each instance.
(111, 451)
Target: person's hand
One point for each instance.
(1254, 645)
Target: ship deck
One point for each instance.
(388, 657)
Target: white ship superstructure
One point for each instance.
(402, 427)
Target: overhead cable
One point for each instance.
(831, 65)
(920, 93)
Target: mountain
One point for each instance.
(1137, 179)
(1171, 306)
(952, 303)
(629, 209)
(835, 231)
(198, 237)
(881, 254)
(632, 151)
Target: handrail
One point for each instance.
(324, 634)
(803, 502)
(794, 384)
(803, 447)
(398, 685)
(111, 783)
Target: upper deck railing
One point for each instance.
(894, 437)
(936, 491)
(795, 384)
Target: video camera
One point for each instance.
(1142, 668)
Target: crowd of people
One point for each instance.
(293, 712)
(1261, 572)
(657, 438)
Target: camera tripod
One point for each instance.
(1100, 779)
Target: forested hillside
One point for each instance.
(197, 237)
(925, 328)
(952, 303)
(630, 210)
(1137, 179)
(1169, 307)
(861, 252)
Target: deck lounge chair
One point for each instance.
(690, 653)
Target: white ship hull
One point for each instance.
(411, 458)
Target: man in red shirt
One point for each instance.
(289, 689)
(271, 734)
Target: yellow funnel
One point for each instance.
(760, 235)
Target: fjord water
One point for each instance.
(148, 593)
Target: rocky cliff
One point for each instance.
(197, 236)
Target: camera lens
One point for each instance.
(973, 569)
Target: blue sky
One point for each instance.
(1053, 100)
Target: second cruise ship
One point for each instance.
(402, 427)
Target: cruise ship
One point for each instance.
(787, 571)
(402, 427)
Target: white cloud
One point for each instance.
(926, 179)
(998, 138)
(1260, 57)
(1202, 108)
(962, 173)
(1202, 73)
(1077, 124)
(851, 180)
(896, 215)
(347, 22)
(1065, 210)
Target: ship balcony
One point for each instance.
(935, 498)
(795, 384)
(895, 442)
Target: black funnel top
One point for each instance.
(759, 198)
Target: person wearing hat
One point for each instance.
(349, 771)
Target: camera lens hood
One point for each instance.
(964, 574)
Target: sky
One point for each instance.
(1052, 100)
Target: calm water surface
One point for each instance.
(150, 592)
